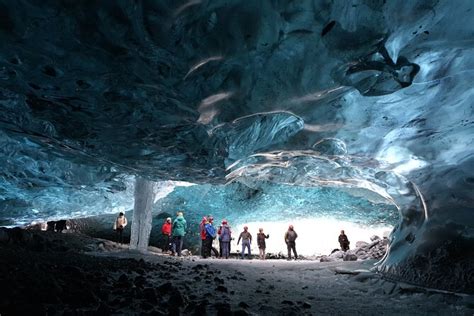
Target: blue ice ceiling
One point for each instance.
(360, 97)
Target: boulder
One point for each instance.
(374, 238)
(338, 254)
(361, 244)
(349, 257)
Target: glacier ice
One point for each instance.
(141, 222)
(367, 101)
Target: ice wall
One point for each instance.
(357, 96)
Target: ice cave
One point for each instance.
(327, 115)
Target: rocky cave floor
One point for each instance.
(45, 273)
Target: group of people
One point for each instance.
(174, 232)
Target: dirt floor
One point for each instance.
(45, 273)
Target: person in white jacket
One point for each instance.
(119, 226)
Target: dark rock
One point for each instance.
(146, 306)
(123, 282)
(164, 288)
(223, 309)
(240, 312)
(139, 281)
(218, 280)
(103, 309)
(287, 302)
(306, 305)
(176, 298)
(243, 305)
(149, 295)
(221, 288)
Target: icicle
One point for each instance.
(141, 224)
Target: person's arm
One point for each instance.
(250, 237)
(240, 237)
(286, 237)
(125, 221)
(296, 235)
(267, 236)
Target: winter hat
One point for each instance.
(224, 222)
(168, 219)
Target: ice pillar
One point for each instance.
(141, 224)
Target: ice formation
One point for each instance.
(368, 102)
(141, 223)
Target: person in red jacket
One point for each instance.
(166, 231)
(202, 232)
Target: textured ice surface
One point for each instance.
(369, 99)
(141, 223)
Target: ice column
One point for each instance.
(141, 224)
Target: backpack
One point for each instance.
(225, 234)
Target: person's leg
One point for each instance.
(288, 246)
(207, 249)
(294, 251)
(180, 240)
(173, 251)
(225, 249)
(220, 249)
(203, 248)
(243, 249)
(247, 245)
(263, 250)
(260, 253)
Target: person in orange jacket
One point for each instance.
(166, 231)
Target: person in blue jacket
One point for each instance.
(210, 236)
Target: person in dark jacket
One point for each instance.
(246, 238)
(290, 237)
(166, 231)
(224, 239)
(261, 243)
(344, 241)
(210, 236)
(179, 231)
